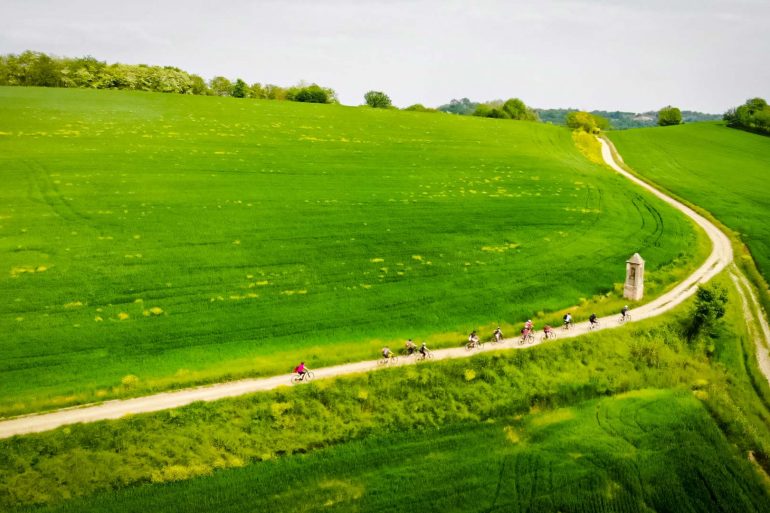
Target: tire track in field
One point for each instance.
(756, 320)
(721, 255)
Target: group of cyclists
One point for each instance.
(527, 336)
(410, 349)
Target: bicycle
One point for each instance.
(387, 360)
(593, 325)
(624, 318)
(427, 356)
(527, 338)
(567, 326)
(549, 335)
(496, 339)
(476, 344)
(307, 377)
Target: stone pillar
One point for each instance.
(634, 288)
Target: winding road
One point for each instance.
(720, 257)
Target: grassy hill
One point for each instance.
(150, 241)
(720, 169)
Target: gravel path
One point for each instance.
(721, 255)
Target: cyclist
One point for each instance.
(473, 339)
(528, 325)
(410, 347)
(623, 312)
(498, 334)
(424, 350)
(547, 331)
(593, 320)
(301, 370)
(567, 321)
(387, 353)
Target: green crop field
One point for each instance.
(647, 450)
(720, 169)
(150, 241)
(616, 420)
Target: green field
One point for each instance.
(647, 450)
(536, 395)
(186, 239)
(720, 169)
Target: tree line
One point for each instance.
(39, 69)
(754, 116)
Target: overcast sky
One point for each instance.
(634, 55)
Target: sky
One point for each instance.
(632, 55)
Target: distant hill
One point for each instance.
(618, 120)
(622, 120)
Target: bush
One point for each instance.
(419, 107)
(590, 123)
(511, 109)
(310, 94)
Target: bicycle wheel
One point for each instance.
(296, 379)
(309, 376)
(468, 346)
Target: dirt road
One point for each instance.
(721, 255)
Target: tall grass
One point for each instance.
(648, 450)
(183, 240)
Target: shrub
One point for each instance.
(311, 94)
(590, 123)
(419, 107)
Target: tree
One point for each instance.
(274, 92)
(709, 307)
(240, 89)
(462, 107)
(312, 93)
(590, 123)
(198, 85)
(377, 100)
(516, 109)
(482, 110)
(669, 116)
(220, 86)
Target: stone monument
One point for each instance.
(634, 288)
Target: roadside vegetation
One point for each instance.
(190, 240)
(603, 451)
(619, 409)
